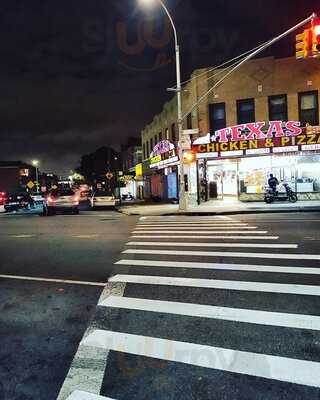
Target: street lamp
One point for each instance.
(36, 163)
(182, 192)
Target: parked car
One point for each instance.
(18, 201)
(101, 198)
(38, 198)
(61, 200)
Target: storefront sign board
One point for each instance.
(289, 138)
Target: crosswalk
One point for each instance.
(210, 323)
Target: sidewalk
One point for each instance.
(221, 207)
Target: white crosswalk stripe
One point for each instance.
(279, 368)
(198, 228)
(197, 244)
(81, 395)
(307, 290)
(208, 231)
(217, 266)
(279, 256)
(192, 307)
(233, 314)
(206, 237)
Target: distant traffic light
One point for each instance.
(304, 44)
(316, 37)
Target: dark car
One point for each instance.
(62, 200)
(18, 201)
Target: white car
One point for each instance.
(102, 199)
(61, 200)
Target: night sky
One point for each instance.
(77, 75)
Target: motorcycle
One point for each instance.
(272, 195)
(127, 197)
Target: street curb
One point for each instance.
(234, 212)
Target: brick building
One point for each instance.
(265, 89)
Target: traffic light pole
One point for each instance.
(249, 57)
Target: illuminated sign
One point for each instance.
(162, 147)
(250, 139)
(163, 154)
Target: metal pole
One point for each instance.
(182, 192)
(37, 179)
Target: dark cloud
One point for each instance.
(77, 75)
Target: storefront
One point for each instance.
(238, 161)
(162, 176)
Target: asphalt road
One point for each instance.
(42, 321)
(223, 309)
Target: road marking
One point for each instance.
(202, 232)
(85, 236)
(65, 281)
(261, 365)
(298, 321)
(193, 226)
(181, 218)
(219, 266)
(22, 236)
(196, 228)
(219, 284)
(206, 237)
(80, 395)
(226, 254)
(197, 244)
(219, 223)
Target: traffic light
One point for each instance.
(304, 44)
(189, 157)
(316, 37)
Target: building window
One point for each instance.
(144, 151)
(151, 145)
(155, 139)
(308, 108)
(217, 116)
(189, 121)
(245, 111)
(160, 136)
(278, 108)
(173, 132)
(148, 151)
(167, 134)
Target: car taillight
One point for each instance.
(50, 200)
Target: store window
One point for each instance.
(278, 108)
(173, 132)
(245, 111)
(308, 108)
(217, 116)
(308, 173)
